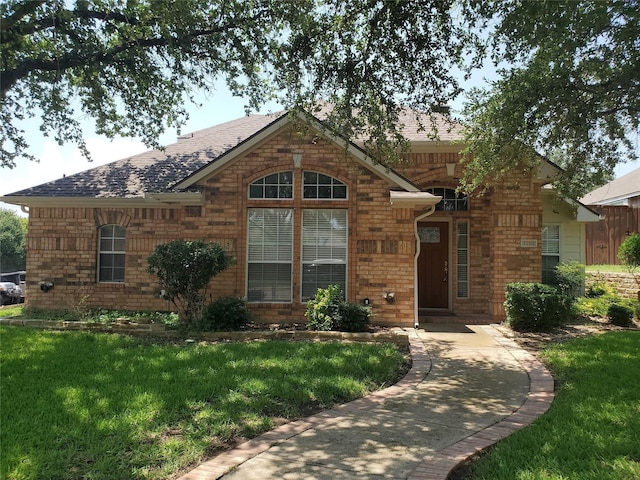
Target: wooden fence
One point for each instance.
(604, 237)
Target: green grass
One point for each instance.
(99, 406)
(592, 430)
(11, 311)
(606, 268)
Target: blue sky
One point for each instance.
(56, 161)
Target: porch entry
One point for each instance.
(433, 265)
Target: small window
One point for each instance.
(452, 201)
(550, 252)
(463, 259)
(111, 254)
(321, 186)
(274, 186)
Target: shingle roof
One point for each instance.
(156, 171)
(620, 189)
(153, 171)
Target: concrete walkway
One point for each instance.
(469, 386)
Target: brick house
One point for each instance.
(300, 209)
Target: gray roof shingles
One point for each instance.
(153, 171)
(156, 171)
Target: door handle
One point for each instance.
(446, 272)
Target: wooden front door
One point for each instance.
(433, 265)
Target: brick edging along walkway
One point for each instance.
(541, 395)
(436, 467)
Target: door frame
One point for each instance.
(449, 222)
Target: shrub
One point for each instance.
(600, 288)
(535, 307)
(323, 311)
(184, 270)
(629, 255)
(569, 277)
(354, 317)
(225, 313)
(620, 315)
(328, 311)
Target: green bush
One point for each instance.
(600, 288)
(225, 313)
(328, 311)
(569, 277)
(184, 270)
(620, 315)
(323, 311)
(354, 317)
(535, 307)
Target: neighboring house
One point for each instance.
(300, 209)
(618, 203)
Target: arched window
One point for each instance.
(320, 186)
(275, 185)
(452, 201)
(111, 253)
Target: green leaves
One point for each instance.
(572, 87)
(184, 270)
(131, 66)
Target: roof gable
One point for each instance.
(278, 126)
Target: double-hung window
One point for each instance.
(550, 252)
(319, 256)
(270, 254)
(324, 250)
(111, 253)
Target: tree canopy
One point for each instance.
(131, 65)
(568, 82)
(571, 89)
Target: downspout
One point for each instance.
(429, 212)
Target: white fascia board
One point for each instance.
(412, 199)
(150, 200)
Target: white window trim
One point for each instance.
(248, 262)
(346, 259)
(468, 249)
(110, 252)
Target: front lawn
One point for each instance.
(101, 406)
(592, 431)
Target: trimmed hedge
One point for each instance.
(620, 315)
(535, 307)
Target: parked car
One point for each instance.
(19, 278)
(9, 293)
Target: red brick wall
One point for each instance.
(62, 242)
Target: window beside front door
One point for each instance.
(111, 253)
(324, 250)
(462, 269)
(270, 254)
(550, 252)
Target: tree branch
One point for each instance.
(22, 11)
(9, 77)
